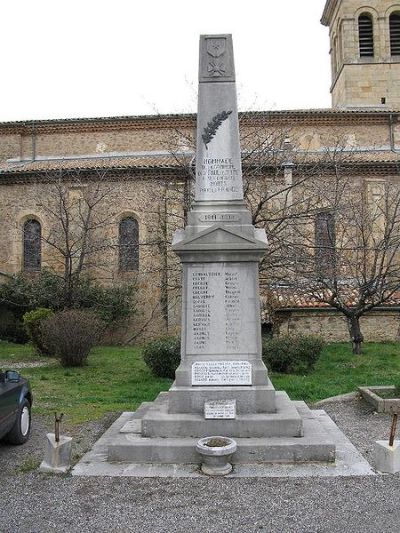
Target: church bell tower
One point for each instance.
(365, 52)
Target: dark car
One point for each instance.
(15, 407)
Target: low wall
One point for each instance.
(376, 326)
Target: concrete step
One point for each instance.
(285, 422)
(315, 445)
(251, 399)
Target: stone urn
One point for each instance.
(216, 453)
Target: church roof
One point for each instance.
(329, 9)
(371, 162)
(189, 120)
(285, 298)
(90, 163)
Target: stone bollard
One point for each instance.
(386, 457)
(58, 454)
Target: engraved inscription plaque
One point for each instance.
(220, 409)
(219, 217)
(221, 373)
(220, 177)
(220, 309)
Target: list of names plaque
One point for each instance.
(221, 311)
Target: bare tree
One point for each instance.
(347, 255)
(275, 172)
(78, 218)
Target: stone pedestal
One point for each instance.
(387, 458)
(57, 457)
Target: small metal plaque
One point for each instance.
(223, 409)
(221, 373)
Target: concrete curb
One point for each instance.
(339, 398)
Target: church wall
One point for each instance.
(154, 197)
(10, 146)
(145, 199)
(97, 142)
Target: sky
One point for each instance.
(101, 58)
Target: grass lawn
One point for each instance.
(116, 378)
(339, 371)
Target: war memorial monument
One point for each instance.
(222, 386)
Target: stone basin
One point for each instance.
(215, 459)
(381, 404)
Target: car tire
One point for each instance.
(20, 432)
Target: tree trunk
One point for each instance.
(353, 323)
(164, 259)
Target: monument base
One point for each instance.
(131, 445)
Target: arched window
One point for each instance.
(366, 35)
(32, 245)
(325, 243)
(394, 26)
(128, 244)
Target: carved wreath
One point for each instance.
(211, 129)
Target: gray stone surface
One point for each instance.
(123, 443)
(219, 249)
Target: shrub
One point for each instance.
(292, 354)
(163, 356)
(20, 294)
(114, 305)
(11, 326)
(32, 323)
(13, 305)
(71, 334)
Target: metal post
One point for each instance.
(57, 422)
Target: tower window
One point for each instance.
(128, 244)
(394, 25)
(32, 245)
(366, 35)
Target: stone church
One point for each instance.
(134, 175)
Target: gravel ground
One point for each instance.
(38, 503)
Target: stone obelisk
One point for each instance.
(221, 386)
(220, 251)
